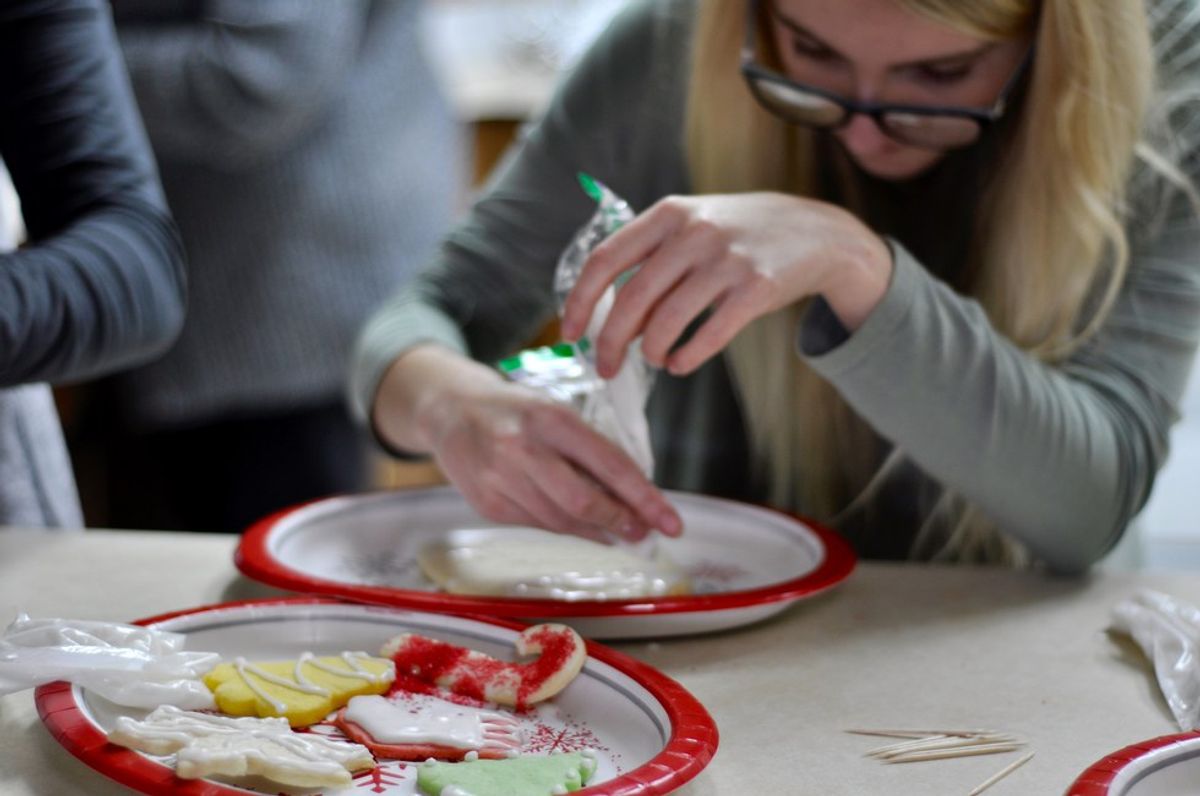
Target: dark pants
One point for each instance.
(224, 475)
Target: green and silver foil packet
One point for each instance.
(567, 371)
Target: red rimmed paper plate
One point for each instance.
(744, 563)
(651, 735)
(1164, 766)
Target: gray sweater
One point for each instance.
(311, 164)
(1060, 458)
(99, 284)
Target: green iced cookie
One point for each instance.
(515, 776)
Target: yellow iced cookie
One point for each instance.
(303, 691)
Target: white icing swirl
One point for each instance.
(387, 722)
(356, 669)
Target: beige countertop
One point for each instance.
(894, 646)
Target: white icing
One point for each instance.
(356, 669)
(302, 682)
(242, 666)
(206, 744)
(530, 563)
(454, 790)
(471, 756)
(390, 723)
(559, 790)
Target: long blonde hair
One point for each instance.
(1047, 257)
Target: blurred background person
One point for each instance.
(312, 164)
(99, 283)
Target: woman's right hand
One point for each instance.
(518, 456)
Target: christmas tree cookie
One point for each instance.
(517, 776)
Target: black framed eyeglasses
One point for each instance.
(924, 126)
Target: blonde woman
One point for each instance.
(927, 270)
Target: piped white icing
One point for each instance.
(302, 684)
(206, 744)
(389, 723)
(526, 562)
(356, 669)
(241, 666)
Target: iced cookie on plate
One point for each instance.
(527, 562)
(518, 776)
(205, 745)
(560, 657)
(435, 729)
(303, 691)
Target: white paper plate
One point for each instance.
(744, 562)
(1166, 766)
(651, 734)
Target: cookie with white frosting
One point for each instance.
(206, 745)
(304, 691)
(432, 728)
(527, 562)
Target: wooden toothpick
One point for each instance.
(941, 742)
(1001, 774)
(944, 754)
(918, 733)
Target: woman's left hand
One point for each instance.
(742, 255)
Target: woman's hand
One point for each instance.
(518, 456)
(742, 255)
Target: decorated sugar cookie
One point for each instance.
(518, 776)
(438, 729)
(303, 691)
(560, 650)
(527, 562)
(205, 745)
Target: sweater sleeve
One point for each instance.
(489, 289)
(100, 284)
(242, 82)
(1059, 457)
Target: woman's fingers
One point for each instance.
(624, 249)
(679, 274)
(611, 467)
(500, 508)
(731, 314)
(677, 311)
(526, 490)
(589, 506)
(542, 500)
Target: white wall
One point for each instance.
(500, 59)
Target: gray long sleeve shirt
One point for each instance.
(100, 284)
(1060, 458)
